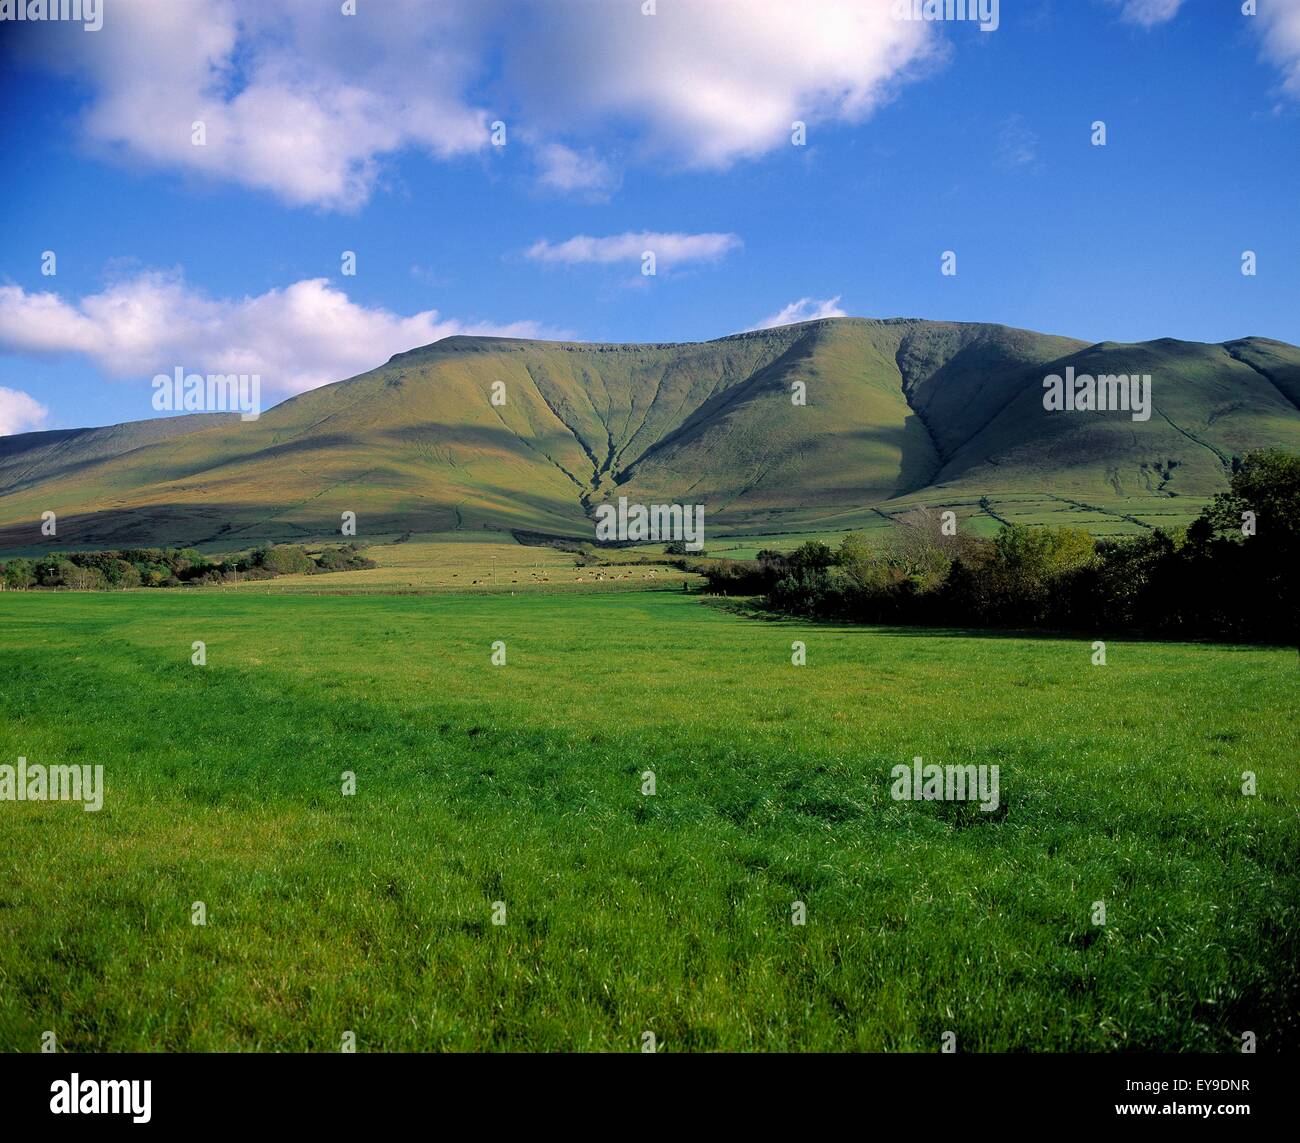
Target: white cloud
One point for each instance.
(707, 83)
(20, 413)
(564, 169)
(296, 98)
(669, 249)
(805, 309)
(297, 338)
(1148, 13)
(307, 103)
(1280, 25)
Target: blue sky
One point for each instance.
(372, 132)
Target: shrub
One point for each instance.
(19, 575)
(284, 559)
(804, 591)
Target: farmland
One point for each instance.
(514, 793)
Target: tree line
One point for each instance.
(172, 567)
(1230, 574)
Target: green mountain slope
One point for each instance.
(1207, 406)
(30, 458)
(893, 413)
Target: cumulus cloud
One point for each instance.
(307, 334)
(669, 249)
(709, 83)
(20, 413)
(302, 101)
(805, 309)
(1148, 13)
(294, 97)
(1280, 26)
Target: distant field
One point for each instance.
(482, 563)
(628, 913)
(443, 558)
(982, 516)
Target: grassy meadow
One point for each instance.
(477, 563)
(627, 913)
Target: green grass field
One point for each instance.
(627, 913)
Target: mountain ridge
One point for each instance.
(898, 411)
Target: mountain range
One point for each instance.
(897, 412)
